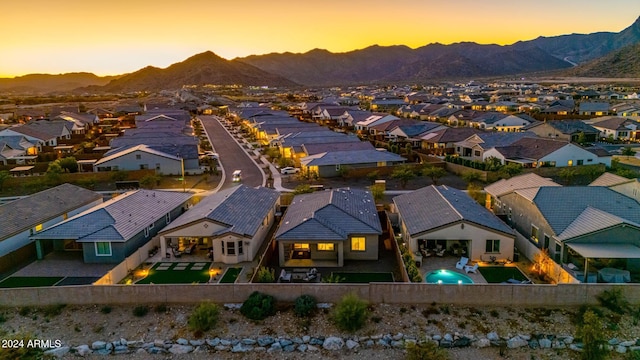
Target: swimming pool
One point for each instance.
(443, 276)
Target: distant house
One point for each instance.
(139, 158)
(350, 117)
(375, 119)
(234, 223)
(81, 122)
(411, 133)
(41, 132)
(115, 229)
(529, 182)
(438, 217)
(560, 107)
(330, 163)
(540, 152)
(617, 128)
(628, 187)
(328, 227)
(22, 218)
(594, 108)
(442, 142)
(16, 149)
(474, 147)
(569, 130)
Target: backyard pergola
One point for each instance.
(605, 251)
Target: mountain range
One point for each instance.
(594, 53)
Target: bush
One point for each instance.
(305, 305)
(426, 351)
(53, 310)
(613, 300)
(265, 275)
(105, 309)
(204, 317)
(350, 313)
(140, 310)
(258, 306)
(160, 308)
(592, 337)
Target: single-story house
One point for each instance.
(140, 157)
(503, 187)
(569, 130)
(628, 187)
(24, 217)
(475, 146)
(234, 223)
(617, 128)
(439, 217)
(330, 163)
(115, 229)
(594, 108)
(328, 227)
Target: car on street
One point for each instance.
(237, 176)
(289, 170)
(209, 155)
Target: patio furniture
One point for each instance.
(189, 249)
(613, 275)
(417, 257)
(440, 252)
(471, 269)
(462, 262)
(284, 276)
(311, 275)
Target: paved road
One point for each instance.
(232, 156)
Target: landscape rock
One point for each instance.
(397, 337)
(621, 349)
(239, 348)
(221, 348)
(58, 352)
(97, 345)
(333, 343)
(628, 343)
(516, 342)
(311, 348)
(306, 339)
(545, 343)
(352, 344)
(120, 349)
(493, 336)
(397, 344)
(614, 341)
(265, 341)
(213, 342)
(83, 350)
(248, 342)
(369, 343)
(157, 350)
(302, 347)
(462, 342)
(180, 349)
(317, 341)
(482, 343)
(196, 342)
(289, 348)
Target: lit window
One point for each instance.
(492, 246)
(534, 234)
(301, 247)
(358, 244)
(103, 249)
(325, 247)
(39, 227)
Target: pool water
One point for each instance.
(443, 276)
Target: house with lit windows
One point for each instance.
(112, 231)
(323, 229)
(24, 217)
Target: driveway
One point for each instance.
(231, 155)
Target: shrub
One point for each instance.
(140, 310)
(305, 305)
(613, 300)
(160, 308)
(350, 313)
(258, 306)
(265, 275)
(24, 311)
(53, 310)
(425, 351)
(204, 317)
(105, 309)
(592, 337)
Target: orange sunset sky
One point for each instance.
(119, 36)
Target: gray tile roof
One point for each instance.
(610, 179)
(572, 126)
(531, 148)
(591, 220)
(23, 214)
(242, 209)
(330, 215)
(351, 157)
(311, 149)
(432, 207)
(118, 219)
(560, 206)
(525, 181)
(594, 106)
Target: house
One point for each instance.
(441, 142)
(24, 217)
(331, 163)
(375, 119)
(475, 146)
(291, 144)
(234, 223)
(328, 227)
(560, 107)
(140, 157)
(16, 149)
(628, 187)
(617, 128)
(81, 122)
(41, 132)
(594, 108)
(500, 188)
(540, 152)
(568, 130)
(115, 229)
(350, 117)
(411, 133)
(578, 223)
(511, 123)
(438, 217)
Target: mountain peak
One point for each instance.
(205, 56)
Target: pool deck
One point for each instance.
(448, 262)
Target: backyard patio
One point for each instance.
(486, 272)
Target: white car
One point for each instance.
(289, 170)
(210, 155)
(237, 176)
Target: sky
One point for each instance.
(120, 36)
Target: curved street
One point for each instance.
(231, 155)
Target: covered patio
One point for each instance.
(585, 251)
(299, 254)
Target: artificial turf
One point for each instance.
(29, 281)
(363, 278)
(500, 274)
(172, 276)
(230, 275)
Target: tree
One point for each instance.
(568, 174)
(581, 138)
(492, 163)
(471, 177)
(343, 172)
(4, 175)
(149, 181)
(434, 173)
(69, 164)
(302, 189)
(403, 174)
(377, 191)
(510, 170)
(53, 172)
(592, 335)
(628, 151)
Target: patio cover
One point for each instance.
(607, 251)
(21, 168)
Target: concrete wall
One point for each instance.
(394, 293)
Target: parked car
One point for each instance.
(237, 176)
(289, 170)
(209, 155)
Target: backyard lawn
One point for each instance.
(500, 274)
(27, 281)
(230, 275)
(363, 278)
(177, 273)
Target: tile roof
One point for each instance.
(590, 220)
(616, 123)
(124, 151)
(241, 209)
(311, 149)
(525, 181)
(449, 135)
(570, 126)
(531, 148)
(575, 199)
(610, 179)
(594, 106)
(350, 157)
(118, 219)
(330, 215)
(23, 214)
(432, 207)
